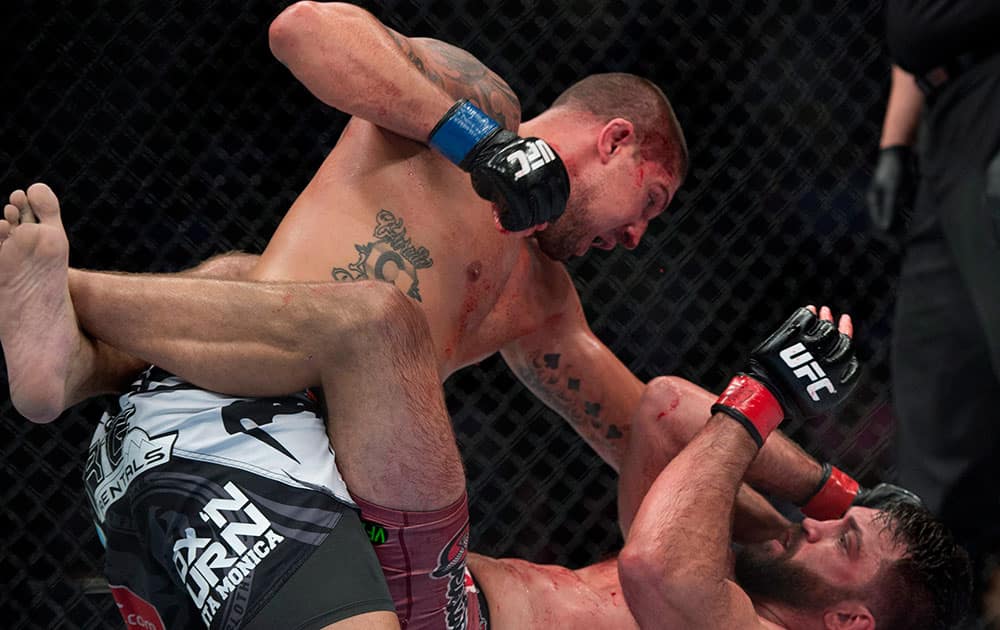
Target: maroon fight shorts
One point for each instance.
(423, 556)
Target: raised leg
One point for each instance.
(364, 343)
(45, 352)
(51, 363)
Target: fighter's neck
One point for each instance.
(774, 616)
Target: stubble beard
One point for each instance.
(778, 579)
(561, 240)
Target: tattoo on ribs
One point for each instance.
(463, 76)
(391, 257)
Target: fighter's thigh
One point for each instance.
(387, 417)
(423, 555)
(341, 582)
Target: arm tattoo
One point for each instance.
(391, 257)
(562, 392)
(462, 76)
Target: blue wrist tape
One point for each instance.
(461, 129)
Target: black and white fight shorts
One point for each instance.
(226, 512)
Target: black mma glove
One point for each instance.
(807, 367)
(523, 176)
(891, 190)
(838, 491)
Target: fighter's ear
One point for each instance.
(848, 615)
(614, 136)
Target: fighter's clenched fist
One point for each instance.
(523, 176)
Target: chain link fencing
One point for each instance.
(171, 134)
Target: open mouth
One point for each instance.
(601, 243)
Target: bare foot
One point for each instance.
(38, 328)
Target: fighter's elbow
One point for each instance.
(634, 566)
(286, 29)
(304, 21)
(647, 578)
(645, 586)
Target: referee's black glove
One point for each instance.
(891, 191)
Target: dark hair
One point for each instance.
(640, 101)
(930, 587)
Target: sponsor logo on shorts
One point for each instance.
(376, 533)
(121, 455)
(804, 366)
(213, 567)
(451, 566)
(137, 613)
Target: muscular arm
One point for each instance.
(902, 113)
(671, 412)
(577, 376)
(353, 62)
(675, 566)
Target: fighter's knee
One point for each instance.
(659, 403)
(662, 391)
(391, 317)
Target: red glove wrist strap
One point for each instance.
(833, 499)
(755, 401)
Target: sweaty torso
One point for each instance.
(382, 207)
(527, 596)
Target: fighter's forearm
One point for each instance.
(680, 408)
(670, 414)
(587, 385)
(755, 519)
(902, 113)
(684, 524)
(351, 61)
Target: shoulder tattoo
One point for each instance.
(463, 76)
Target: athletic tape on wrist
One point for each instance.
(461, 129)
(750, 403)
(834, 496)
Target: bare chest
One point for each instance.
(403, 215)
(538, 597)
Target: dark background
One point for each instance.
(170, 134)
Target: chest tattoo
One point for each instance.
(391, 257)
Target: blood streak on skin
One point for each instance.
(567, 162)
(496, 221)
(656, 148)
(470, 303)
(640, 176)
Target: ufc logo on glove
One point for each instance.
(537, 154)
(804, 366)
